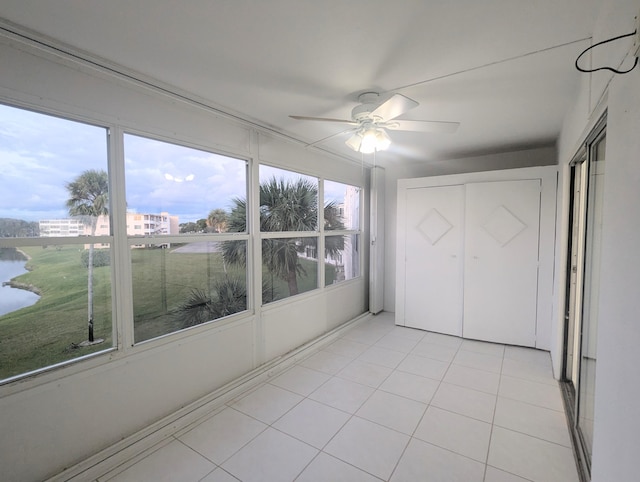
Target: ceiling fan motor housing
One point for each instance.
(369, 101)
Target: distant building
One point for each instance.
(351, 216)
(138, 224)
(53, 228)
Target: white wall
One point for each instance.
(617, 424)
(53, 420)
(543, 156)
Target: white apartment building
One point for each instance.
(69, 227)
(138, 224)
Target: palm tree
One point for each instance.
(227, 296)
(285, 205)
(333, 245)
(89, 199)
(217, 220)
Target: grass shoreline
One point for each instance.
(13, 283)
(23, 286)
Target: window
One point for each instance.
(288, 204)
(180, 278)
(187, 239)
(55, 298)
(342, 232)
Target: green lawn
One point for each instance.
(49, 331)
(162, 279)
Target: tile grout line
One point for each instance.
(351, 415)
(306, 397)
(412, 436)
(493, 418)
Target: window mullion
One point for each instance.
(254, 262)
(121, 267)
(321, 240)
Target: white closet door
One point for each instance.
(501, 269)
(433, 259)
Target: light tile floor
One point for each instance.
(382, 403)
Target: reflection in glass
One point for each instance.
(342, 258)
(341, 206)
(49, 325)
(182, 285)
(588, 345)
(290, 267)
(173, 189)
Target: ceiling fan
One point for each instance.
(371, 119)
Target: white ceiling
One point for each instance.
(503, 68)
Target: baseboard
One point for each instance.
(133, 446)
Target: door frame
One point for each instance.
(572, 332)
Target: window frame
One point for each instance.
(320, 234)
(262, 235)
(122, 324)
(80, 240)
(158, 239)
(344, 232)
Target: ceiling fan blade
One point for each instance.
(423, 126)
(323, 119)
(330, 137)
(397, 105)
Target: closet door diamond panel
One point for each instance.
(433, 274)
(501, 270)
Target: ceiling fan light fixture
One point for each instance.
(354, 141)
(383, 141)
(374, 139)
(369, 141)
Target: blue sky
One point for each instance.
(40, 154)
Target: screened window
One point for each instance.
(55, 298)
(288, 204)
(342, 227)
(187, 238)
(175, 195)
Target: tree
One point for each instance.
(227, 296)
(285, 205)
(17, 228)
(89, 199)
(217, 220)
(188, 228)
(333, 245)
(201, 225)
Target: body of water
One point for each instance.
(12, 299)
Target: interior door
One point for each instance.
(433, 259)
(501, 269)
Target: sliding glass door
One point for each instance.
(591, 291)
(583, 288)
